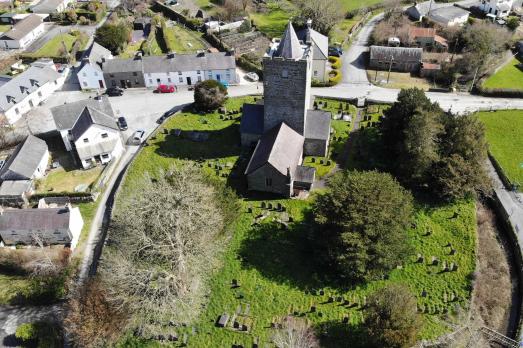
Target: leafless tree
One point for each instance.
(295, 333)
(165, 249)
(325, 14)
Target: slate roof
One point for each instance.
(400, 54)
(252, 119)
(321, 41)
(96, 53)
(46, 6)
(65, 116)
(87, 118)
(504, 7)
(189, 62)
(447, 14)
(14, 188)
(417, 11)
(305, 174)
(25, 159)
(19, 87)
(22, 28)
(47, 219)
(317, 124)
(281, 147)
(123, 65)
(290, 46)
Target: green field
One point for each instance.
(55, 46)
(504, 130)
(274, 21)
(350, 5)
(274, 267)
(509, 77)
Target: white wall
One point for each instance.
(89, 77)
(151, 79)
(76, 223)
(26, 40)
(42, 166)
(319, 70)
(94, 136)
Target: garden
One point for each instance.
(509, 76)
(267, 272)
(503, 130)
(63, 45)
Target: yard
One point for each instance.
(55, 46)
(510, 77)
(273, 22)
(397, 80)
(61, 180)
(11, 285)
(4, 28)
(349, 5)
(504, 129)
(183, 40)
(274, 267)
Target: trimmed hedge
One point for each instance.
(334, 80)
(500, 92)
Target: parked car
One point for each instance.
(252, 76)
(114, 91)
(335, 51)
(138, 137)
(165, 89)
(122, 123)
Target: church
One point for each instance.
(284, 128)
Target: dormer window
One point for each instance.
(34, 82)
(86, 140)
(10, 99)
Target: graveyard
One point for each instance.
(267, 271)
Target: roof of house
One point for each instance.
(317, 124)
(46, 6)
(415, 32)
(189, 62)
(400, 54)
(447, 14)
(504, 7)
(14, 188)
(100, 147)
(290, 46)
(19, 87)
(22, 28)
(441, 40)
(321, 41)
(7, 15)
(418, 10)
(134, 64)
(65, 116)
(34, 219)
(87, 118)
(96, 52)
(281, 147)
(252, 119)
(305, 174)
(26, 157)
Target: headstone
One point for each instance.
(423, 293)
(223, 320)
(345, 320)
(269, 206)
(434, 261)
(263, 205)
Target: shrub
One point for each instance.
(335, 77)
(245, 27)
(334, 60)
(513, 23)
(26, 332)
(209, 95)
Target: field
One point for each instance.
(274, 21)
(55, 47)
(183, 40)
(504, 129)
(273, 266)
(349, 5)
(510, 77)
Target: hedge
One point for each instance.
(500, 92)
(334, 80)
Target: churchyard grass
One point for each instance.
(503, 130)
(273, 264)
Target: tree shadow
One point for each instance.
(336, 334)
(365, 151)
(12, 341)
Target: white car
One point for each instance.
(138, 137)
(252, 76)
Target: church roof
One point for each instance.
(318, 125)
(289, 47)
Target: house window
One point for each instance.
(105, 135)
(168, 73)
(169, 80)
(181, 79)
(113, 83)
(149, 74)
(105, 155)
(151, 81)
(31, 103)
(39, 94)
(179, 72)
(84, 74)
(285, 73)
(158, 80)
(315, 72)
(55, 82)
(95, 73)
(17, 111)
(135, 73)
(86, 140)
(199, 79)
(268, 182)
(85, 84)
(111, 75)
(136, 82)
(198, 72)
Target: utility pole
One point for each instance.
(474, 79)
(390, 68)
(454, 51)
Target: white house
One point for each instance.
(23, 32)
(498, 8)
(218, 26)
(51, 6)
(29, 161)
(90, 74)
(47, 225)
(320, 51)
(88, 128)
(27, 90)
(449, 16)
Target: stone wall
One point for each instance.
(315, 147)
(256, 181)
(135, 81)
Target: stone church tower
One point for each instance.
(287, 81)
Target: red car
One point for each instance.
(165, 89)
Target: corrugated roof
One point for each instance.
(400, 54)
(65, 116)
(447, 14)
(47, 219)
(281, 147)
(19, 87)
(22, 28)
(25, 159)
(317, 124)
(415, 32)
(289, 47)
(252, 119)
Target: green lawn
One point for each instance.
(274, 21)
(4, 28)
(131, 50)
(340, 32)
(54, 47)
(183, 40)
(510, 76)
(504, 134)
(349, 5)
(59, 180)
(274, 267)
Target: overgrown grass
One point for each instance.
(183, 40)
(131, 50)
(60, 180)
(349, 5)
(11, 285)
(274, 267)
(273, 22)
(504, 130)
(55, 46)
(510, 77)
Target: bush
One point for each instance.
(335, 77)
(27, 332)
(334, 60)
(114, 37)
(209, 95)
(245, 27)
(513, 23)
(44, 334)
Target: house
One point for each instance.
(48, 226)
(171, 69)
(284, 129)
(29, 161)
(427, 38)
(218, 26)
(449, 16)
(429, 69)
(51, 6)
(88, 129)
(90, 74)
(320, 51)
(28, 89)
(23, 32)
(403, 59)
(417, 11)
(15, 192)
(7, 18)
(498, 8)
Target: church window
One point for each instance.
(285, 73)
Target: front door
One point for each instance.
(189, 82)
(122, 83)
(101, 83)
(218, 77)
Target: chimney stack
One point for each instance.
(309, 23)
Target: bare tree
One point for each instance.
(295, 333)
(165, 249)
(325, 14)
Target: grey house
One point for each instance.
(404, 59)
(284, 129)
(28, 161)
(124, 73)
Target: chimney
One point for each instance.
(170, 55)
(138, 55)
(309, 23)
